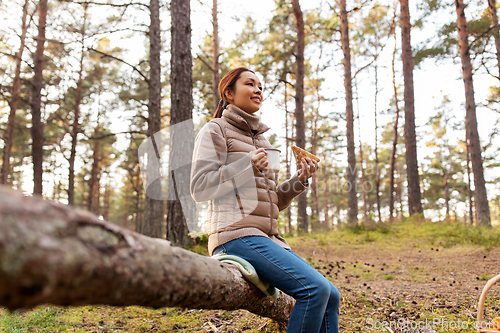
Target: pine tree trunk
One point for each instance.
(328, 226)
(137, 224)
(76, 120)
(399, 192)
(107, 201)
(66, 256)
(494, 20)
(95, 175)
(395, 136)
(414, 195)
(361, 165)
(363, 180)
(9, 132)
(482, 208)
(469, 187)
(287, 160)
(36, 101)
(216, 64)
(377, 166)
(125, 216)
(447, 184)
(181, 136)
(314, 145)
(153, 211)
(300, 138)
(351, 154)
(315, 224)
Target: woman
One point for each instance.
(230, 171)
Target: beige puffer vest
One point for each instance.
(242, 201)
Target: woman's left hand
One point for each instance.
(308, 168)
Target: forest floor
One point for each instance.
(391, 278)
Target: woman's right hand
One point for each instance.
(259, 159)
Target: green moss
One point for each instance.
(99, 236)
(42, 319)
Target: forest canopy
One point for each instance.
(84, 84)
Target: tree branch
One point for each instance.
(57, 254)
(107, 135)
(106, 4)
(122, 61)
(204, 62)
(287, 82)
(362, 68)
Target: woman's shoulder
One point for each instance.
(214, 124)
(213, 127)
(217, 122)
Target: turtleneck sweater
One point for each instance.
(252, 120)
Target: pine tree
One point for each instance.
(414, 195)
(351, 155)
(492, 6)
(8, 139)
(181, 126)
(482, 208)
(76, 117)
(300, 139)
(36, 100)
(396, 121)
(153, 219)
(215, 56)
(442, 174)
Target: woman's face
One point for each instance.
(247, 93)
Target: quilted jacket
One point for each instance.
(242, 201)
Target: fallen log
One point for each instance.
(55, 254)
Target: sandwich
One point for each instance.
(300, 153)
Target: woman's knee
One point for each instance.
(321, 290)
(334, 295)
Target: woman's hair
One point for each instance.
(227, 83)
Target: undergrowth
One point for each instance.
(42, 319)
(415, 233)
(414, 230)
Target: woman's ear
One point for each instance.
(229, 95)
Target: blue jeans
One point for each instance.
(317, 300)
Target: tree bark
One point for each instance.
(76, 120)
(181, 135)
(482, 208)
(153, 211)
(363, 180)
(494, 21)
(469, 187)
(414, 195)
(138, 221)
(399, 191)
(351, 154)
(446, 183)
(66, 256)
(287, 159)
(377, 166)
(9, 132)
(361, 161)
(300, 138)
(215, 64)
(395, 136)
(95, 176)
(328, 226)
(107, 200)
(315, 220)
(36, 101)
